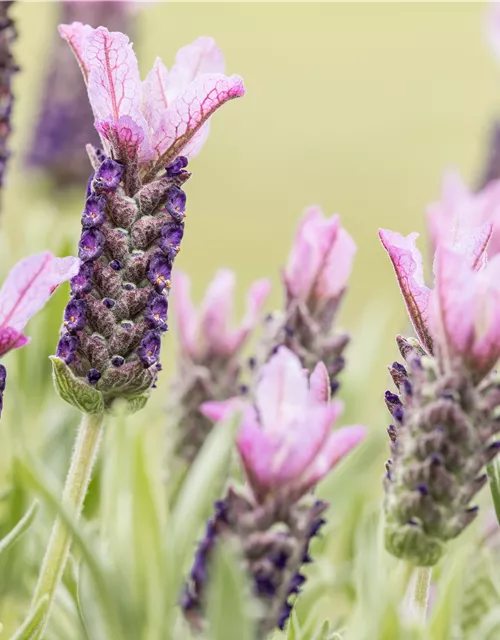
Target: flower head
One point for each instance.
(285, 440)
(460, 211)
(321, 259)
(460, 316)
(207, 333)
(155, 121)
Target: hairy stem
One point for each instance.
(493, 470)
(421, 592)
(75, 489)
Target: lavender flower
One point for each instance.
(444, 416)
(286, 447)
(209, 358)
(315, 280)
(65, 123)
(7, 68)
(134, 212)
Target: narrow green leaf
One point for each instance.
(20, 529)
(294, 630)
(33, 622)
(229, 608)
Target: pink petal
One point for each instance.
(486, 350)
(453, 303)
(127, 138)
(29, 285)
(492, 27)
(337, 267)
(407, 262)
(319, 384)
(257, 454)
(200, 57)
(114, 86)
(338, 445)
(314, 239)
(76, 35)
(222, 410)
(154, 93)
(185, 312)
(11, 339)
(189, 111)
(256, 298)
(281, 392)
(216, 312)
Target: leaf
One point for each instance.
(20, 529)
(29, 628)
(294, 630)
(75, 391)
(229, 614)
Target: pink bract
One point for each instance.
(27, 288)
(159, 119)
(285, 441)
(209, 331)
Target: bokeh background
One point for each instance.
(358, 107)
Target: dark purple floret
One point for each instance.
(94, 214)
(67, 347)
(117, 361)
(88, 191)
(93, 376)
(159, 272)
(264, 585)
(394, 405)
(297, 581)
(176, 204)
(82, 282)
(109, 303)
(170, 242)
(285, 614)
(399, 368)
(156, 312)
(75, 315)
(91, 245)
(108, 176)
(177, 166)
(149, 351)
(116, 265)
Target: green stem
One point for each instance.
(75, 489)
(494, 476)
(421, 592)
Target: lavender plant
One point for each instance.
(286, 447)
(132, 223)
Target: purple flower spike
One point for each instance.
(149, 351)
(91, 245)
(94, 214)
(75, 315)
(177, 166)
(108, 176)
(176, 204)
(159, 272)
(67, 347)
(156, 312)
(82, 282)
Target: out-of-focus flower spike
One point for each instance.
(209, 359)
(286, 446)
(7, 69)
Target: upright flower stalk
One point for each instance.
(286, 447)
(132, 225)
(209, 358)
(445, 414)
(65, 124)
(315, 280)
(7, 69)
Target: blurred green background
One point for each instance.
(358, 107)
